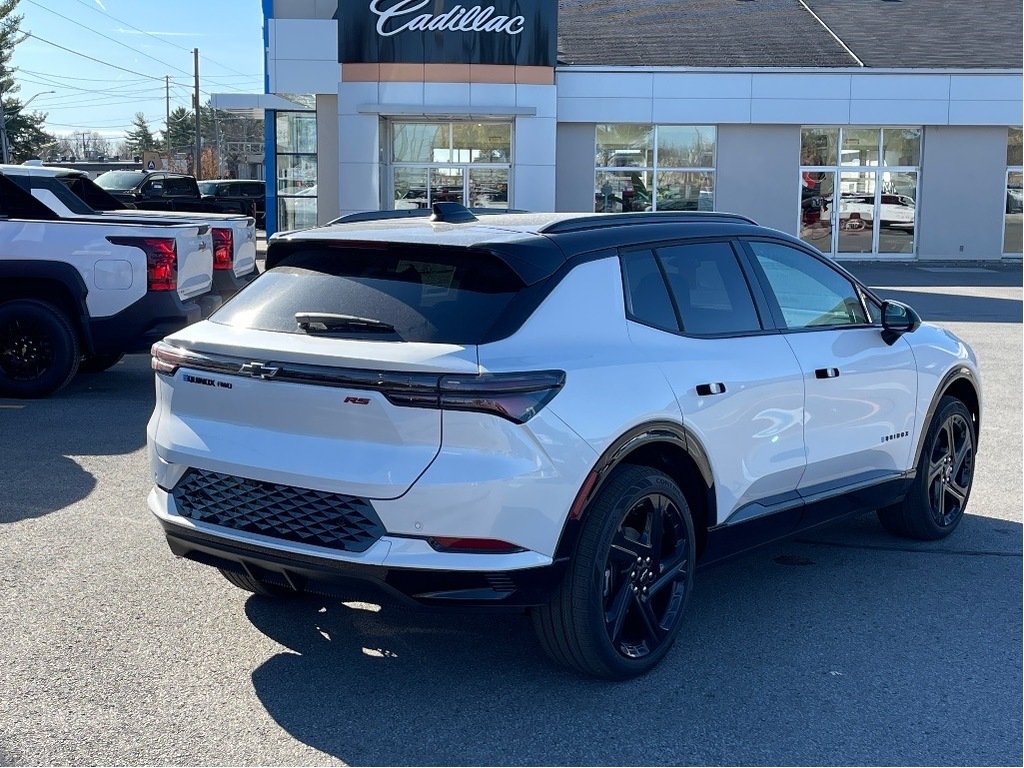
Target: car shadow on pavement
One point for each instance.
(102, 414)
(865, 652)
(957, 307)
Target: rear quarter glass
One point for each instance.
(427, 294)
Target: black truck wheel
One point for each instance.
(39, 352)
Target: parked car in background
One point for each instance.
(165, 191)
(72, 194)
(238, 189)
(83, 291)
(562, 412)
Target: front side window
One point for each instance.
(809, 293)
(654, 168)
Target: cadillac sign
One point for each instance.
(442, 32)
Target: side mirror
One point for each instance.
(897, 319)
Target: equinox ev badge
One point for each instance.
(259, 370)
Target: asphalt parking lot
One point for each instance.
(846, 646)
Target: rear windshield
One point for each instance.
(426, 294)
(207, 188)
(120, 180)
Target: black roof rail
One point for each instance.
(412, 213)
(601, 221)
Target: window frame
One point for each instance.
(762, 308)
(656, 168)
(864, 294)
(1006, 187)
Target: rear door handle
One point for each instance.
(826, 373)
(715, 388)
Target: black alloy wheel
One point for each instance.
(621, 604)
(935, 503)
(39, 351)
(951, 469)
(646, 576)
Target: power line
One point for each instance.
(157, 37)
(34, 36)
(105, 37)
(69, 77)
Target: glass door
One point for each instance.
(455, 162)
(858, 190)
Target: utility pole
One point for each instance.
(5, 147)
(195, 99)
(167, 112)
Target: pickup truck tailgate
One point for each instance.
(195, 261)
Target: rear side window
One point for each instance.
(178, 187)
(647, 299)
(709, 289)
(401, 293)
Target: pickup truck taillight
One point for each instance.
(161, 260)
(223, 248)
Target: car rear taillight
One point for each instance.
(165, 358)
(472, 546)
(517, 397)
(223, 248)
(161, 260)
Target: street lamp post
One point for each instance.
(5, 144)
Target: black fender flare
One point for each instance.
(959, 373)
(670, 432)
(60, 273)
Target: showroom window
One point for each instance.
(296, 170)
(467, 162)
(654, 168)
(1014, 194)
(875, 171)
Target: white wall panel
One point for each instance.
(543, 98)
(360, 186)
(304, 76)
(789, 86)
(593, 110)
(898, 112)
(309, 39)
(492, 95)
(675, 85)
(703, 111)
(800, 111)
(605, 84)
(533, 187)
(445, 94)
(986, 87)
(535, 140)
(352, 96)
(984, 113)
(869, 86)
(400, 93)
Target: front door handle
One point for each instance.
(715, 388)
(826, 373)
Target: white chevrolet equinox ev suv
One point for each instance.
(565, 413)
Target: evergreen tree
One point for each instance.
(25, 133)
(140, 138)
(180, 132)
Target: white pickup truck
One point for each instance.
(72, 194)
(84, 291)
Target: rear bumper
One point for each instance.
(136, 328)
(353, 581)
(226, 283)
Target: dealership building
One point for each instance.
(885, 129)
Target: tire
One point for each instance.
(100, 363)
(621, 604)
(257, 587)
(935, 504)
(39, 351)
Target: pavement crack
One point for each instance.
(879, 547)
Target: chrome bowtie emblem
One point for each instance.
(259, 370)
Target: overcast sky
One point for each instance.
(147, 39)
